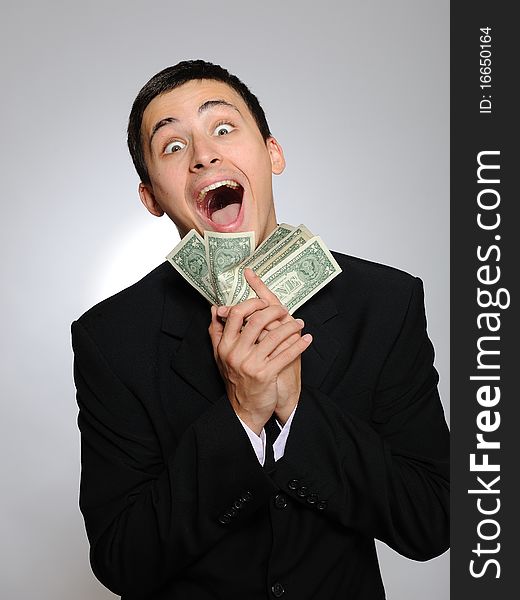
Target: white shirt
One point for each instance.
(259, 441)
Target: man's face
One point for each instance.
(209, 167)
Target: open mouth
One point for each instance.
(221, 201)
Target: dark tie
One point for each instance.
(272, 431)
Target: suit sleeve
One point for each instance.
(148, 515)
(387, 478)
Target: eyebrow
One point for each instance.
(209, 104)
(160, 124)
(212, 103)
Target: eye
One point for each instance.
(174, 146)
(223, 129)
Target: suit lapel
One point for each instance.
(186, 317)
(319, 314)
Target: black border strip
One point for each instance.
(490, 134)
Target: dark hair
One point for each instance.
(172, 77)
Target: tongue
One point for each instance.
(226, 215)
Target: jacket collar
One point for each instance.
(319, 356)
(186, 317)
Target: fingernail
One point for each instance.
(222, 311)
(300, 322)
(307, 337)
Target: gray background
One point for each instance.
(356, 93)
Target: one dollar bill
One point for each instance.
(302, 274)
(224, 253)
(189, 259)
(292, 262)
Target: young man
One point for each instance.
(184, 493)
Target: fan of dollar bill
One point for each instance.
(292, 262)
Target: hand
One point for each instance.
(289, 379)
(259, 360)
(264, 293)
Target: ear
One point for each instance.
(276, 155)
(148, 199)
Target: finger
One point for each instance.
(285, 344)
(258, 322)
(222, 311)
(273, 325)
(287, 356)
(277, 337)
(238, 313)
(266, 331)
(270, 327)
(259, 287)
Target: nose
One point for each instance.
(204, 154)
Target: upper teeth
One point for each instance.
(213, 186)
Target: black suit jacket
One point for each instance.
(175, 502)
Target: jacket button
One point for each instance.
(278, 590)
(280, 501)
(312, 498)
(224, 519)
(293, 484)
(302, 491)
(322, 505)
